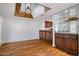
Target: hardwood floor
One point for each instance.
(31, 48)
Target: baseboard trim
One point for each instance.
(19, 41)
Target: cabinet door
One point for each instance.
(70, 42)
(48, 35)
(51, 35)
(73, 11)
(43, 35)
(40, 34)
(73, 27)
(59, 40)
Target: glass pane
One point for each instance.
(56, 28)
(73, 26)
(67, 27)
(56, 19)
(62, 27)
(66, 14)
(73, 12)
(53, 17)
(59, 15)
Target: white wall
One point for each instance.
(17, 28)
(0, 29)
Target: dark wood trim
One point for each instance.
(20, 13)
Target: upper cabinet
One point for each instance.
(48, 24)
(73, 11)
(66, 20)
(66, 13)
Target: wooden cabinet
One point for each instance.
(48, 24)
(70, 42)
(59, 40)
(67, 42)
(46, 34)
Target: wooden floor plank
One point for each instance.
(31, 48)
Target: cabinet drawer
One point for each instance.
(71, 36)
(59, 35)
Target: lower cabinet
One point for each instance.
(70, 42)
(46, 34)
(67, 42)
(59, 40)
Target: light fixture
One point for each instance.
(28, 8)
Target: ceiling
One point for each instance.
(56, 7)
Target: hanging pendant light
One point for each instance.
(27, 8)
